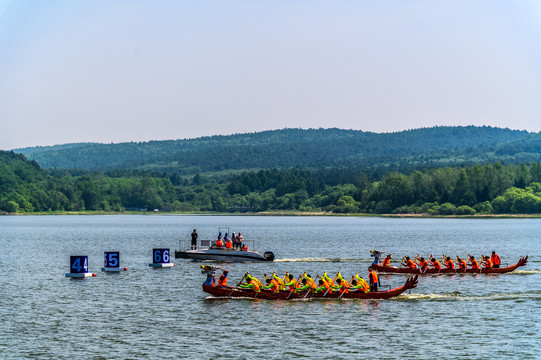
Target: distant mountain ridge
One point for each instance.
(311, 148)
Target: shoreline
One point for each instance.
(283, 213)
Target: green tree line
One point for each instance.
(478, 189)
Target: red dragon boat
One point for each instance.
(403, 270)
(234, 292)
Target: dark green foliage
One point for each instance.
(321, 149)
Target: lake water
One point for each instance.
(163, 313)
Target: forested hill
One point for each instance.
(313, 148)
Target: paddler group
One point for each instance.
(305, 282)
(419, 262)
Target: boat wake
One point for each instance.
(458, 296)
(334, 260)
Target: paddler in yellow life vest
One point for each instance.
(292, 283)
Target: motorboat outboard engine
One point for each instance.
(269, 255)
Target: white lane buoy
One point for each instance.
(111, 262)
(79, 267)
(161, 258)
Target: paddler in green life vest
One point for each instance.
(279, 280)
(322, 286)
(272, 285)
(304, 286)
(360, 284)
(251, 283)
(291, 282)
(309, 280)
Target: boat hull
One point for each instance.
(226, 255)
(395, 270)
(230, 292)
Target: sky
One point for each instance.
(139, 70)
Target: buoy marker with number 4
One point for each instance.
(161, 258)
(79, 267)
(111, 262)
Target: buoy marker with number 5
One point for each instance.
(111, 262)
(161, 258)
(79, 267)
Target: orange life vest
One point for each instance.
(423, 264)
(387, 261)
(474, 264)
(373, 277)
(222, 280)
(436, 264)
(449, 264)
(487, 263)
(462, 264)
(495, 259)
(229, 244)
(219, 243)
(410, 264)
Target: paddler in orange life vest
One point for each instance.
(473, 262)
(435, 263)
(487, 263)
(251, 283)
(322, 286)
(342, 286)
(387, 260)
(423, 264)
(496, 261)
(272, 285)
(449, 264)
(373, 279)
(461, 263)
(291, 282)
(410, 264)
(222, 280)
(360, 284)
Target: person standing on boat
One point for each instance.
(240, 239)
(194, 239)
(373, 278)
(496, 261)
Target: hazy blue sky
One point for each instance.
(115, 71)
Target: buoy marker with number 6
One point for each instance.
(79, 267)
(111, 262)
(161, 258)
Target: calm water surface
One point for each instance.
(163, 313)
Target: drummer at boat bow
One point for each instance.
(496, 261)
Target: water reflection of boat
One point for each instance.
(207, 250)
